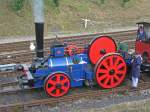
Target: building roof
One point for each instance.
(144, 23)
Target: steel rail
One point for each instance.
(88, 94)
(16, 46)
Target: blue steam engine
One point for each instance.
(65, 68)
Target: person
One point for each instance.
(141, 33)
(135, 70)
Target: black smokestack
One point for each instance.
(39, 29)
(39, 26)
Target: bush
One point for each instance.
(56, 2)
(124, 2)
(102, 1)
(18, 5)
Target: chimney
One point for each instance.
(39, 29)
(37, 6)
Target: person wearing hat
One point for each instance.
(135, 70)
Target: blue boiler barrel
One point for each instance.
(73, 66)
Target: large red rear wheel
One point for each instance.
(57, 84)
(99, 47)
(110, 70)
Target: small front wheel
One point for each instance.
(57, 84)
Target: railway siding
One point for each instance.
(90, 94)
(24, 45)
(22, 54)
(19, 52)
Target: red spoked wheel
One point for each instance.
(110, 70)
(71, 50)
(99, 47)
(57, 84)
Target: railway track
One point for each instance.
(27, 56)
(20, 54)
(24, 45)
(7, 74)
(2, 85)
(24, 55)
(74, 96)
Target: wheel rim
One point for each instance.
(110, 71)
(99, 47)
(71, 50)
(57, 85)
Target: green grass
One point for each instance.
(67, 17)
(17, 5)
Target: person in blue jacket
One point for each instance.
(141, 33)
(135, 70)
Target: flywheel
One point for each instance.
(99, 47)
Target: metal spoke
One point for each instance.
(117, 61)
(102, 77)
(112, 81)
(58, 92)
(120, 72)
(64, 88)
(58, 78)
(116, 77)
(103, 71)
(51, 89)
(52, 82)
(105, 64)
(106, 80)
(120, 65)
(64, 81)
